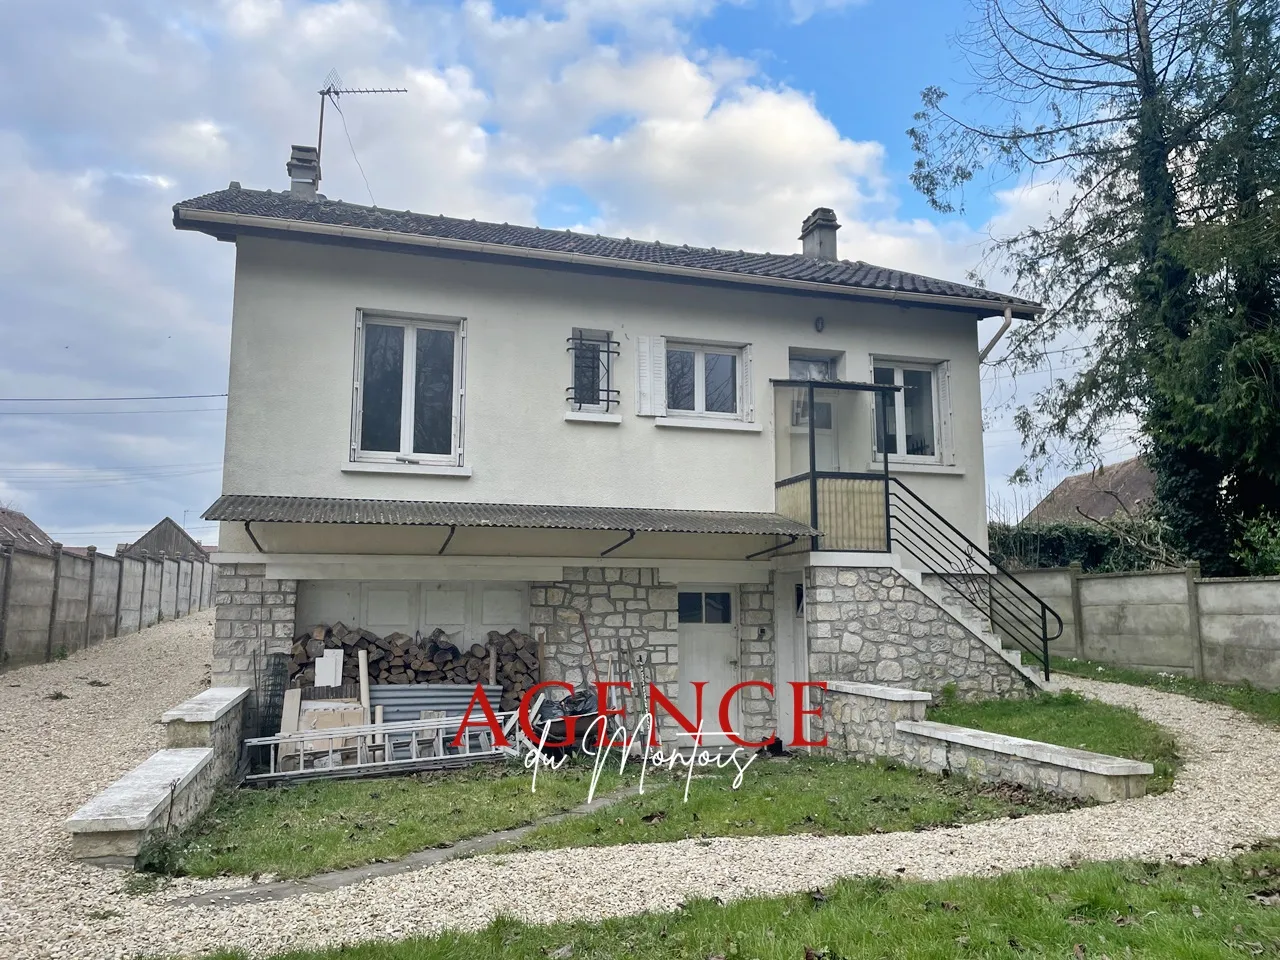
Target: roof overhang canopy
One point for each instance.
(510, 529)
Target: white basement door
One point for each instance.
(708, 652)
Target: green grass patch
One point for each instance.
(1070, 720)
(1220, 909)
(1262, 705)
(803, 794)
(299, 830)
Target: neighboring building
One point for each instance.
(166, 538)
(1126, 488)
(17, 529)
(443, 423)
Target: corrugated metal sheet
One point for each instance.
(244, 507)
(406, 701)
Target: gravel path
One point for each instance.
(1227, 794)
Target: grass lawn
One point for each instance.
(1262, 705)
(300, 830)
(1224, 909)
(803, 794)
(1070, 720)
(310, 828)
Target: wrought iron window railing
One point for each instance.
(592, 386)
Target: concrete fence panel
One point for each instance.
(1142, 620)
(26, 628)
(102, 603)
(1240, 630)
(130, 595)
(168, 589)
(151, 595)
(72, 604)
(1055, 587)
(182, 599)
(206, 585)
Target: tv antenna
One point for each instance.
(333, 89)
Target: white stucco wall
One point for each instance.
(292, 355)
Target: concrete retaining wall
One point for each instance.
(865, 721)
(52, 604)
(172, 787)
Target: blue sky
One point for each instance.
(718, 122)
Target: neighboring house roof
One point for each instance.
(226, 213)
(165, 537)
(18, 529)
(1118, 488)
(241, 507)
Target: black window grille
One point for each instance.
(592, 386)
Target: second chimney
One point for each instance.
(819, 234)
(304, 172)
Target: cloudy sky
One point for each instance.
(716, 122)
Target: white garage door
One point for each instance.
(400, 606)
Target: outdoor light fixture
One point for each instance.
(819, 323)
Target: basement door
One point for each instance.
(708, 652)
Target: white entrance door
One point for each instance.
(708, 652)
(792, 648)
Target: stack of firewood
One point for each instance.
(511, 658)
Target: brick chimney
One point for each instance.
(819, 234)
(304, 172)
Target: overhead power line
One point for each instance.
(174, 396)
(106, 413)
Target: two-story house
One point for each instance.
(751, 466)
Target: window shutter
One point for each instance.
(748, 390)
(651, 380)
(946, 435)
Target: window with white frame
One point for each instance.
(684, 380)
(916, 421)
(408, 390)
(591, 388)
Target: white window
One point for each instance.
(591, 386)
(408, 390)
(917, 421)
(688, 381)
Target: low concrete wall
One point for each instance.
(172, 787)
(865, 721)
(1240, 630)
(54, 603)
(1171, 621)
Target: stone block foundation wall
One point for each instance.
(632, 602)
(866, 721)
(757, 659)
(872, 625)
(617, 602)
(254, 617)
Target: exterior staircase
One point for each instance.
(969, 584)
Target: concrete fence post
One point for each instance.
(115, 630)
(88, 603)
(1076, 572)
(142, 600)
(1193, 619)
(53, 602)
(6, 589)
(190, 584)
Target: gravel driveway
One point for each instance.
(59, 753)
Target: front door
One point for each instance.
(708, 652)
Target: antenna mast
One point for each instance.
(333, 89)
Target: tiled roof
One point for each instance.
(18, 529)
(786, 267)
(1126, 487)
(241, 507)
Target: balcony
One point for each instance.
(830, 477)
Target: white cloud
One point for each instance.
(111, 119)
(802, 10)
